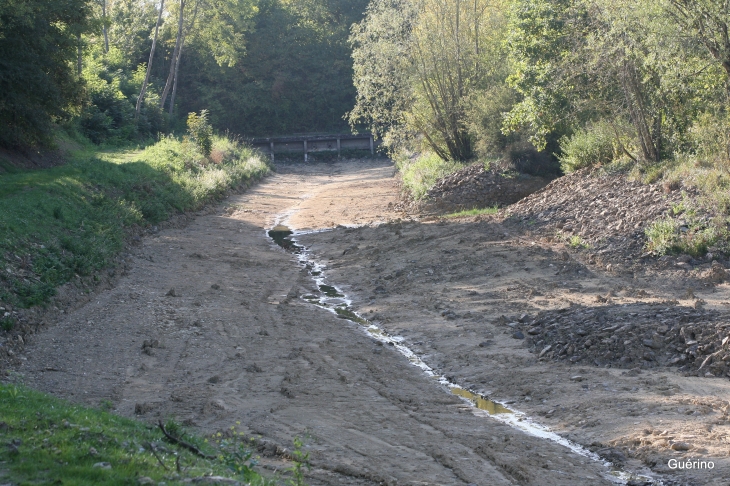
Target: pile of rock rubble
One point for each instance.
(641, 335)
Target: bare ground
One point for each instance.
(234, 343)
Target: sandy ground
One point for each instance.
(233, 342)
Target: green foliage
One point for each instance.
(72, 220)
(417, 64)
(295, 76)
(421, 173)
(301, 461)
(669, 235)
(596, 144)
(201, 132)
(52, 440)
(382, 66)
(577, 242)
(473, 212)
(7, 323)
(38, 40)
(539, 44)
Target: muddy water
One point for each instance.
(335, 300)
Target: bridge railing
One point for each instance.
(307, 144)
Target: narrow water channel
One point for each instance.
(335, 300)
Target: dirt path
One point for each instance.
(233, 342)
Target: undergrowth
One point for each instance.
(687, 229)
(72, 220)
(420, 174)
(473, 212)
(50, 441)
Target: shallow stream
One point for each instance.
(335, 300)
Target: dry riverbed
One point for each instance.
(209, 327)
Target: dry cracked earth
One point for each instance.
(208, 326)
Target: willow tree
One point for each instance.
(434, 59)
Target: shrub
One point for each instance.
(201, 131)
(420, 175)
(523, 157)
(667, 236)
(598, 144)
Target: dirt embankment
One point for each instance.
(476, 187)
(207, 326)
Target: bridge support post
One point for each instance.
(339, 146)
(305, 151)
(372, 146)
(271, 149)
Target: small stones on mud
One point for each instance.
(171, 293)
(254, 368)
(214, 379)
(148, 345)
(215, 286)
(576, 378)
(643, 335)
(680, 446)
(143, 408)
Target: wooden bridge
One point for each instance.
(306, 144)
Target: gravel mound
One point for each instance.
(642, 335)
(607, 212)
(475, 187)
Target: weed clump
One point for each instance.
(421, 173)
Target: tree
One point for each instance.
(38, 46)
(383, 67)
(709, 22)
(143, 89)
(425, 60)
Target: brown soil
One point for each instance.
(234, 342)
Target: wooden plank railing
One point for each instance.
(307, 144)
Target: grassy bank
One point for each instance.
(419, 174)
(50, 441)
(73, 219)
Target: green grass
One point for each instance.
(578, 243)
(473, 212)
(72, 220)
(50, 441)
(421, 174)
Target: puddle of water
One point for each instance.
(336, 302)
(281, 235)
(329, 290)
(480, 402)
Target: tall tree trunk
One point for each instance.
(79, 55)
(179, 56)
(175, 56)
(142, 92)
(103, 26)
(637, 111)
(174, 83)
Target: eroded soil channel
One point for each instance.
(238, 341)
(333, 299)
